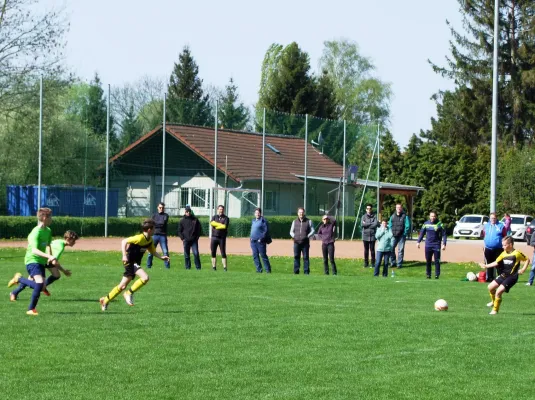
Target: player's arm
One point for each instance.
(66, 272)
(421, 236)
(40, 253)
(124, 248)
(491, 265)
(524, 267)
(152, 250)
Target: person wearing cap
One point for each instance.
(327, 234)
(160, 218)
(259, 240)
(189, 230)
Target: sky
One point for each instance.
(124, 40)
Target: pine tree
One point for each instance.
(232, 114)
(131, 129)
(187, 103)
(94, 113)
(470, 66)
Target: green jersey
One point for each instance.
(57, 247)
(39, 238)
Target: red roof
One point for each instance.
(244, 154)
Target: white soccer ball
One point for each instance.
(441, 305)
(471, 277)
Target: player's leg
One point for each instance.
(492, 292)
(127, 277)
(428, 256)
(436, 255)
(498, 300)
(53, 277)
(223, 248)
(213, 249)
(38, 274)
(142, 280)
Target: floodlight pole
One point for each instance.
(263, 159)
(40, 141)
(163, 149)
(378, 167)
(107, 163)
(344, 181)
(306, 156)
(215, 161)
(494, 108)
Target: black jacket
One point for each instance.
(160, 223)
(369, 227)
(189, 229)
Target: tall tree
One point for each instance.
(187, 102)
(232, 113)
(470, 66)
(31, 44)
(362, 98)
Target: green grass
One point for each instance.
(241, 335)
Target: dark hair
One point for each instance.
(70, 235)
(433, 212)
(147, 224)
(161, 203)
(369, 205)
(506, 214)
(222, 206)
(300, 208)
(258, 209)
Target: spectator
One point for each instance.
(161, 218)
(259, 241)
(301, 231)
(532, 270)
(385, 242)
(189, 230)
(495, 231)
(435, 233)
(327, 234)
(369, 227)
(400, 226)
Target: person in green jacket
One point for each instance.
(384, 247)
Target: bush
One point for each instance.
(20, 227)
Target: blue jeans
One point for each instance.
(298, 249)
(259, 249)
(193, 246)
(532, 271)
(378, 259)
(399, 241)
(162, 241)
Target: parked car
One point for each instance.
(529, 231)
(470, 226)
(519, 223)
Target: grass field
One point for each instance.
(241, 335)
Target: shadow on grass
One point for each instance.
(77, 300)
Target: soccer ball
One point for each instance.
(441, 305)
(471, 277)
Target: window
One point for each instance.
(184, 197)
(270, 201)
(199, 198)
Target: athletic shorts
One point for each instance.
(508, 282)
(222, 243)
(130, 270)
(35, 269)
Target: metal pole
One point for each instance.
(107, 164)
(494, 109)
(378, 167)
(40, 141)
(306, 157)
(263, 159)
(344, 184)
(215, 161)
(163, 149)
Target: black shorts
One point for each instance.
(507, 281)
(130, 270)
(222, 243)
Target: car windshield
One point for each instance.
(517, 221)
(471, 219)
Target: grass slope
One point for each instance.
(241, 335)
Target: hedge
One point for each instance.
(20, 227)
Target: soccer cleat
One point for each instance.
(14, 280)
(528, 284)
(490, 304)
(493, 312)
(225, 269)
(129, 298)
(103, 304)
(12, 297)
(32, 312)
(46, 292)
(214, 268)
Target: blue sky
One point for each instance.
(124, 40)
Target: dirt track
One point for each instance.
(456, 250)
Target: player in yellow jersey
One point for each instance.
(133, 249)
(508, 264)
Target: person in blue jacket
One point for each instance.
(435, 233)
(259, 238)
(495, 231)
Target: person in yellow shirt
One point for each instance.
(219, 224)
(133, 249)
